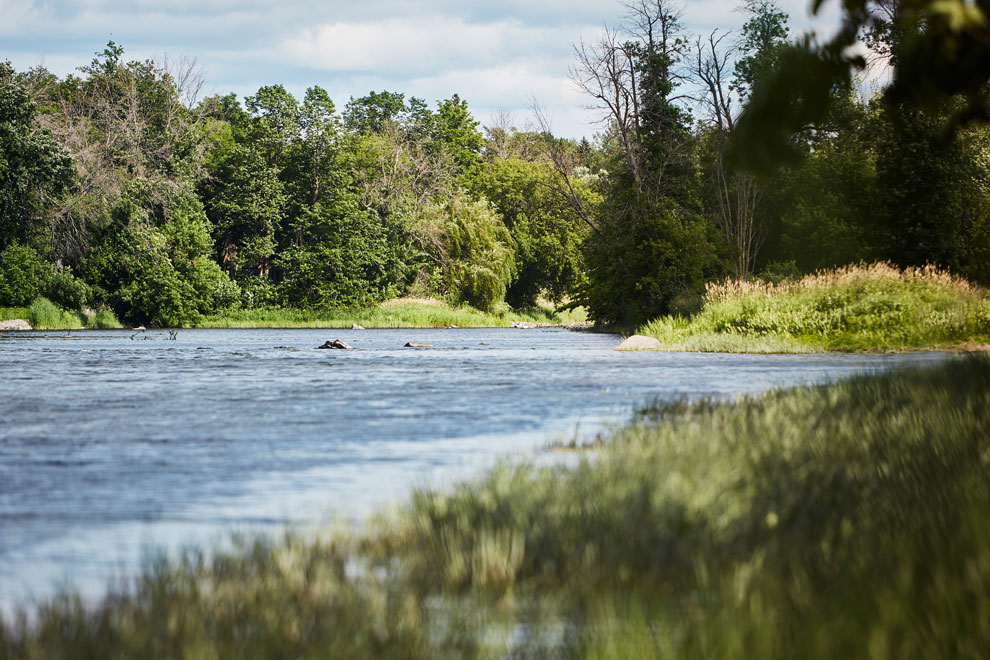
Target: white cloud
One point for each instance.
(416, 46)
(494, 53)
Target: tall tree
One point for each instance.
(33, 167)
(734, 195)
(654, 245)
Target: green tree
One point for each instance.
(33, 167)
(652, 246)
(764, 35)
(547, 235)
(152, 259)
(346, 258)
(22, 274)
(368, 114)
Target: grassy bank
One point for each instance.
(43, 314)
(857, 308)
(848, 520)
(399, 313)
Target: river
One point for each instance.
(116, 444)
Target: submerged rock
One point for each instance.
(639, 343)
(416, 344)
(15, 324)
(336, 343)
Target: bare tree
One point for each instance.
(498, 134)
(564, 163)
(736, 194)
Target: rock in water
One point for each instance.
(355, 326)
(336, 343)
(639, 343)
(416, 344)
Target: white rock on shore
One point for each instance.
(15, 324)
(639, 343)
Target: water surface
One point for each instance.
(113, 443)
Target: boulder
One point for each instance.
(639, 343)
(15, 324)
(355, 326)
(524, 325)
(336, 343)
(416, 344)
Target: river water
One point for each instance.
(116, 444)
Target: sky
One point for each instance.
(497, 54)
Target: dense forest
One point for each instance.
(121, 188)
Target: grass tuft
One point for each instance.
(855, 308)
(46, 315)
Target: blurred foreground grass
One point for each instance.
(859, 308)
(843, 521)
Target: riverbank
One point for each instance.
(397, 313)
(847, 520)
(46, 315)
(856, 308)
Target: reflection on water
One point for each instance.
(116, 442)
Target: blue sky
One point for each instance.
(496, 54)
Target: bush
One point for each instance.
(104, 319)
(22, 275)
(66, 290)
(226, 294)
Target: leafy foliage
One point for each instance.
(33, 166)
(548, 238)
(21, 274)
(477, 252)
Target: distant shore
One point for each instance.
(396, 313)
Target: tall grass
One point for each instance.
(46, 315)
(874, 307)
(850, 520)
(103, 319)
(400, 313)
(7, 313)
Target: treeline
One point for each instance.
(120, 188)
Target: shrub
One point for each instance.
(104, 319)
(68, 291)
(22, 274)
